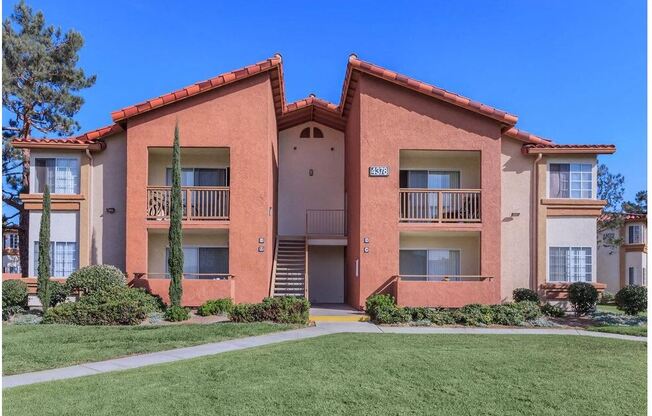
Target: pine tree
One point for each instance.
(40, 85)
(43, 289)
(175, 259)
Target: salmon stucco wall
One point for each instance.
(516, 219)
(392, 119)
(239, 117)
(353, 190)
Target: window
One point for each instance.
(11, 241)
(202, 262)
(644, 282)
(631, 279)
(635, 234)
(317, 133)
(429, 179)
(432, 265)
(63, 258)
(305, 133)
(61, 175)
(571, 180)
(570, 264)
(200, 177)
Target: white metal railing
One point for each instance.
(206, 202)
(440, 205)
(326, 222)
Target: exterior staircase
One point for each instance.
(290, 273)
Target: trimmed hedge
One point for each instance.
(583, 297)
(215, 307)
(525, 295)
(78, 313)
(632, 299)
(287, 309)
(91, 279)
(124, 294)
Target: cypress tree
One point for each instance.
(175, 259)
(43, 288)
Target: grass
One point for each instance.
(639, 331)
(38, 347)
(391, 374)
(613, 309)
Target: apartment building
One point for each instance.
(622, 253)
(402, 187)
(10, 250)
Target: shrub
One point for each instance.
(632, 299)
(11, 311)
(26, 319)
(583, 297)
(525, 295)
(554, 311)
(91, 279)
(287, 309)
(215, 307)
(58, 292)
(392, 315)
(441, 317)
(606, 298)
(136, 296)
(375, 302)
(79, 313)
(508, 314)
(474, 315)
(530, 310)
(176, 313)
(14, 293)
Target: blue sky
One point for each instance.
(573, 71)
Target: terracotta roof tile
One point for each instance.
(456, 99)
(525, 136)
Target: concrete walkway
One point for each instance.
(322, 328)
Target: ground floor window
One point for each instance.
(429, 264)
(570, 264)
(203, 262)
(64, 258)
(631, 276)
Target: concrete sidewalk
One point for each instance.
(322, 328)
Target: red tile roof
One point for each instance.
(525, 136)
(627, 216)
(311, 108)
(312, 100)
(270, 64)
(88, 137)
(569, 148)
(356, 64)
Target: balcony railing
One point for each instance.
(440, 205)
(326, 222)
(190, 276)
(442, 278)
(199, 202)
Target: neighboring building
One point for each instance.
(402, 187)
(624, 262)
(10, 250)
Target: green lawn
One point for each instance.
(389, 374)
(38, 347)
(614, 309)
(639, 331)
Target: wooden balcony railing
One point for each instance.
(199, 202)
(326, 222)
(442, 278)
(440, 205)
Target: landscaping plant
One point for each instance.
(176, 313)
(375, 303)
(583, 297)
(215, 307)
(607, 298)
(632, 299)
(525, 295)
(91, 279)
(554, 311)
(43, 269)
(58, 292)
(14, 297)
(175, 259)
(286, 309)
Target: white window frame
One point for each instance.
(54, 246)
(631, 276)
(57, 158)
(570, 264)
(571, 162)
(640, 239)
(12, 241)
(428, 249)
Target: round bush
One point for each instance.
(177, 314)
(525, 295)
(583, 297)
(58, 292)
(215, 307)
(14, 293)
(632, 299)
(553, 310)
(123, 294)
(375, 303)
(91, 279)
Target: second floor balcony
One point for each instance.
(440, 205)
(198, 202)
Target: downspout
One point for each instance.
(90, 204)
(535, 229)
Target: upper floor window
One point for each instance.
(200, 177)
(571, 180)
(570, 264)
(635, 234)
(61, 175)
(11, 241)
(429, 179)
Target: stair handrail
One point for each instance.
(305, 277)
(273, 279)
